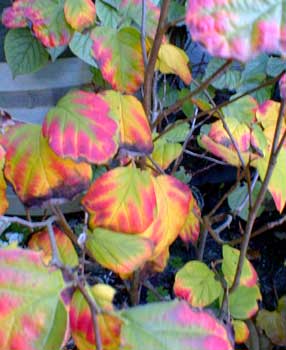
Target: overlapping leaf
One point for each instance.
(229, 265)
(119, 252)
(82, 126)
(191, 229)
(41, 241)
(46, 17)
(241, 331)
(81, 321)
(135, 133)
(80, 14)
(122, 200)
(274, 323)
(231, 29)
(173, 326)
(133, 9)
(36, 172)
(3, 199)
(267, 115)
(119, 57)
(173, 60)
(165, 153)
(196, 283)
(29, 300)
(172, 196)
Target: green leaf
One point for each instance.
(240, 111)
(182, 175)
(196, 283)
(30, 300)
(188, 107)
(275, 66)
(55, 52)
(119, 252)
(24, 53)
(167, 95)
(178, 133)
(173, 326)
(243, 302)
(229, 264)
(107, 14)
(228, 80)
(81, 45)
(165, 153)
(176, 11)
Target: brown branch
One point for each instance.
(253, 211)
(149, 72)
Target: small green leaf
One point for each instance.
(182, 175)
(188, 107)
(178, 133)
(107, 14)
(196, 283)
(275, 66)
(24, 53)
(243, 302)
(55, 52)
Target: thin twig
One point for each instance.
(157, 166)
(149, 72)
(202, 156)
(143, 33)
(64, 224)
(245, 200)
(253, 212)
(202, 245)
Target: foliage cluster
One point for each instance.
(120, 143)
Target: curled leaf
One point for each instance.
(191, 229)
(241, 331)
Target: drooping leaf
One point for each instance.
(173, 60)
(173, 326)
(243, 302)
(241, 331)
(229, 265)
(122, 200)
(24, 53)
(41, 241)
(191, 229)
(37, 174)
(80, 14)
(135, 133)
(119, 252)
(133, 10)
(81, 45)
(45, 17)
(82, 325)
(29, 300)
(119, 57)
(172, 196)
(196, 283)
(274, 323)
(231, 29)
(3, 186)
(82, 127)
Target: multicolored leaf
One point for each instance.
(231, 30)
(3, 186)
(80, 14)
(41, 241)
(119, 57)
(191, 229)
(37, 174)
(121, 253)
(241, 331)
(45, 17)
(243, 302)
(122, 200)
(274, 323)
(133, 10)
(196, 283)
(267, 115)
(81, 321)
(29, 300)
(80, 46)
(173, 60)
(135, 133)
(172, 196)
(82, 127)
(173, 326)
(229, 264)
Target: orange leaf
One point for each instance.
(3, 199)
